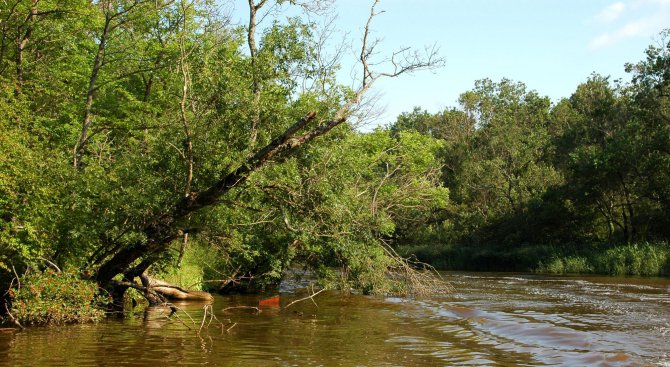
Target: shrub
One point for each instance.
(52, 298)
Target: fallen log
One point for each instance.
(172, 292)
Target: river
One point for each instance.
(491, 320)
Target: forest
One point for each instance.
(156, 137)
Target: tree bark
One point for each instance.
(182, 249)
(173, 292)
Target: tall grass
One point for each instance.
(565, 265)
(637, 259)
(642, 259)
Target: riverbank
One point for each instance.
(641, 259)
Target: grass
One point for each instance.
(641, 259)
(646, 259)
(565, 265)
(191, 273)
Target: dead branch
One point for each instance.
(13, 319)
(50, 263)
(173, 292)
(174, 312)
(310, 297)
(405, 60)
(16, 276)
(420, 279)
(227, 330)
(258, 310)
(208, 312)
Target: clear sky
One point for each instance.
(550, 45)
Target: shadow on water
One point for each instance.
(493, 319)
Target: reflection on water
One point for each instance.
(493, 319)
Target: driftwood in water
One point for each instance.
(172, 292)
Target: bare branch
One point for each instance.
(310, 297)
(405, 60)
(366, 49)
(258, 310)
(13, 319)
(50, 263)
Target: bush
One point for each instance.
(52, 298)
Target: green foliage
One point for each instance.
(114, 111)
(641, 259)
(495, 157)
(331, 205)
(56, 298)
(646, 259)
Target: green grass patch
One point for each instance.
(191, 275)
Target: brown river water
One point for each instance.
(491, 320)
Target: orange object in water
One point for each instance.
(269, 302)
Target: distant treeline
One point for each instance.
(531, 181)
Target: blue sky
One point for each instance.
(550, 45)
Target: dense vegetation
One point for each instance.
(152, 136)
(581, 185)
(155, 137)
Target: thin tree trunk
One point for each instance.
(21, 44)
(182, 249)
(256, 84)
(624, 220)
(186, 80)
(87, 118)
(183, 65)
(628, 207)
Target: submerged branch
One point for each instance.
(310, 297)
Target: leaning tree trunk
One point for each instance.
(164, 229)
